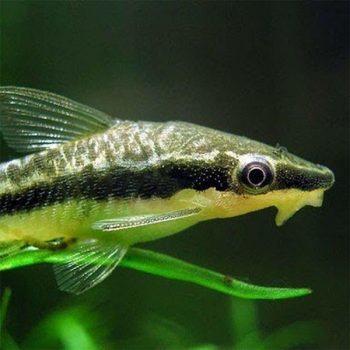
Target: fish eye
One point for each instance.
(256, 176)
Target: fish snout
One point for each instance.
(305, 179)
(324, 177)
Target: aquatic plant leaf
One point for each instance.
(6, 341)
(297, 335)
(33, 120)
(167, 267)
(73, 327)
(90, 263)
(244, 321)
(4, 302)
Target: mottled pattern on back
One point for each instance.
(129, 160)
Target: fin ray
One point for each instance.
(143, 220)
(11, 248)
(90, 263)
(32, 120)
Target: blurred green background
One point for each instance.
(273, 71)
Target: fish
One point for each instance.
(95, 185)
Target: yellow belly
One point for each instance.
(74, 219)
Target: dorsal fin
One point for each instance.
(33, 120)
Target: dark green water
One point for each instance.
(275, 72)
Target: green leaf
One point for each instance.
(167, 267)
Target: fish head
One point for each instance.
(265, 176)
(303, 182)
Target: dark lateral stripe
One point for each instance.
(162, 181)
(305, 180)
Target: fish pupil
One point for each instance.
(256, 176)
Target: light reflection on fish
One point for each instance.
(97, 185)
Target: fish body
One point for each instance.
(97, 185)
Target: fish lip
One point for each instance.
(298, 200)
(312, 184)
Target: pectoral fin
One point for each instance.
(90, 263)
(143, 220)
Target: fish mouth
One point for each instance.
(291, 192)
(295, 200)
(305, 188)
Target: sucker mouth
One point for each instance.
(296, 201)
